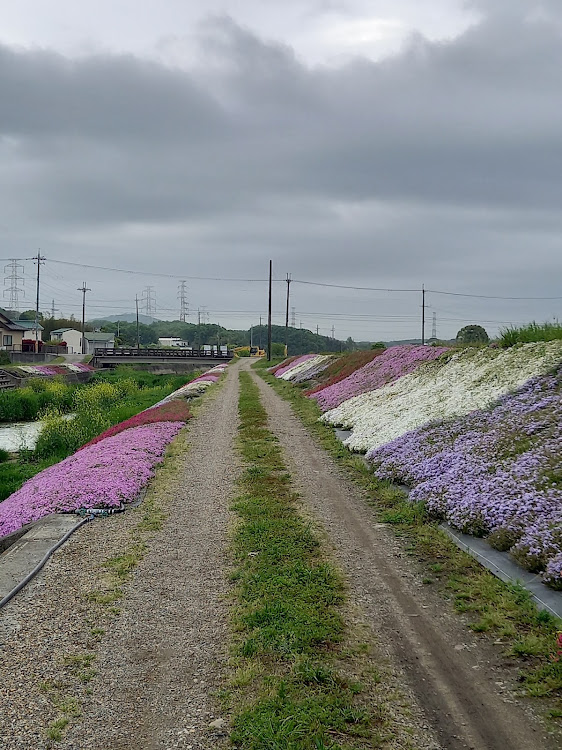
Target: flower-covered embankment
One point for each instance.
(197, 386)
(170, 411)
(341, 367)
(291, 364)
(306, 370)
(50, 370)
(495, 473)
(91, 478)
(111, 469)
(387, 367)
(469, 379)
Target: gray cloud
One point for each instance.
(441, 162)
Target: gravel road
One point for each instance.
(160, 660)
(456, 679)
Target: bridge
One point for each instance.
(191, 357)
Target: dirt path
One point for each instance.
(451, 673)
(161, 660)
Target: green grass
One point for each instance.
(292, 686)
(531, 332)
(27, 404)
(493, 607)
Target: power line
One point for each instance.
(150, 273)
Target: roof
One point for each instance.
(95, 336)
(64, 330)
(28, 325)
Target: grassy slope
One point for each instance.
(492, 606)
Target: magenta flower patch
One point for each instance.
(103, 475)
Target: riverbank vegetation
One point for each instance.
(109, 398)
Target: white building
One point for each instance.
(174, 341)
(71, 336)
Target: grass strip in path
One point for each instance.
(504, 611)
(301, 679)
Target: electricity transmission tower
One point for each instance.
(14, 278)
(184, 305)
(148, 300)
(434, 326)
(293, 318)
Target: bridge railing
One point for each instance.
(167, 353)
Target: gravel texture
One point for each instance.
(159, 661)
(458, 685)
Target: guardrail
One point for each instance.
(164, 353)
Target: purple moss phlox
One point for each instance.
(493, 472)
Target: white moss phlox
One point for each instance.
(470, 379)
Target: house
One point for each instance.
(30, 326)
(71, 337)
(97, 340)
(11, 334)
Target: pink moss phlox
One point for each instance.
(104, 475)
(386, 368)
(170, 411)
(303, 358)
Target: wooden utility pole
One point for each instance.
(137, 304)
(40, 260)
(423, 316)
(84, 289)
(287, 315)
(269, 314)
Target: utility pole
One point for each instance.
(423, 316)
(199, 329)
(287, 314)
(137, 306)
(84, 289)
(269, 314)
(251, 335)
(182, 296)
(317, 329)
(40, 261)
(14, 278)
(260, 331)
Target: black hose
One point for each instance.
(39, 565)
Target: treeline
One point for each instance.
(300, 340)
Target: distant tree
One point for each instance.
(378, 345)
(472, 335)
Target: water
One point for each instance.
(15, 436)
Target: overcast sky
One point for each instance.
(355, 142)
